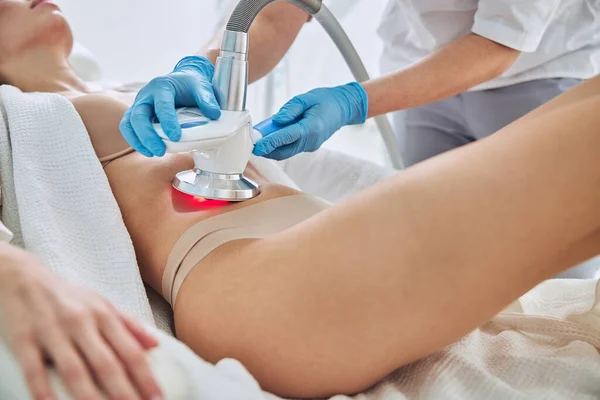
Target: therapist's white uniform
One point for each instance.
(560, 45)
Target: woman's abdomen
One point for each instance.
(157, 215)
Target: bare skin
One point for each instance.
(390, 276)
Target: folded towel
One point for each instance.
(57, 201)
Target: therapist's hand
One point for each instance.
(94, 348)
(189, 85)
(308, 120)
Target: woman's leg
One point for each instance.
(407, 267)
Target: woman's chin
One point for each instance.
(56, 33)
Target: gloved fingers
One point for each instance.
(130, 136)
(142, 126)
(293, 109)
(284, 152)
(206, 101)
(164, 107)
(197, 64)
(267, 127)
(280, 138)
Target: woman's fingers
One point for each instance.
(132, 355)
(68, 362)
(98, 353)
(30, 358)
(104, 364)
(141, 334)
(94, 351)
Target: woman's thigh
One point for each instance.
(268, 319)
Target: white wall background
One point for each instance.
(139, 39)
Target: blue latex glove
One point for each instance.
(307, 121)
(189, 85)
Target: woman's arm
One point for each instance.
(93, 347)
(407, 267)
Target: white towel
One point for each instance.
(57, 201)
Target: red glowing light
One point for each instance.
(185, 203)
(210, 203)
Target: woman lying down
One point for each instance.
(332, 299)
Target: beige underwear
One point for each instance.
(257, 221)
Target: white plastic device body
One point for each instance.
(220, 146)
(221, 150)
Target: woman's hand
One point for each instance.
(308, 120)
(95, 349)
